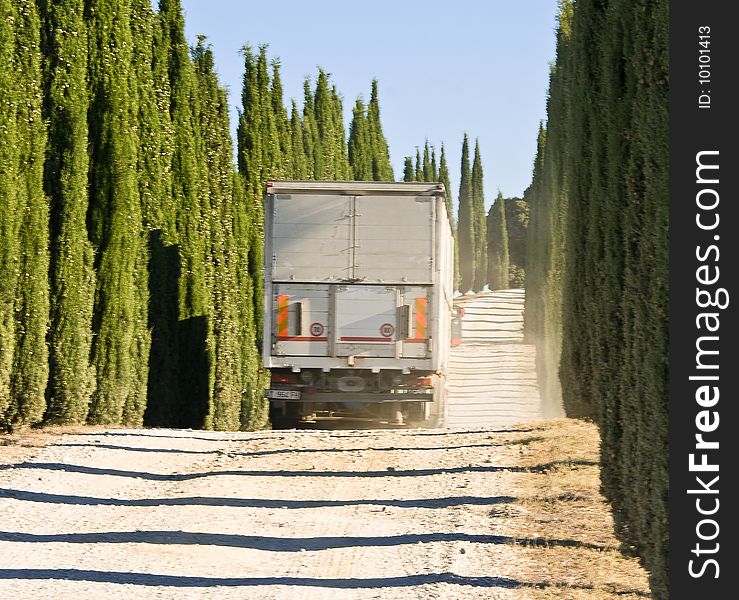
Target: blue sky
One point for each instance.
(444, 68)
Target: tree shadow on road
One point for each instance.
(288, 544)
(148, 579)
(390, 472)
(432, 503)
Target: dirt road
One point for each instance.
(477, 513)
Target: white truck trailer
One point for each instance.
(357, 300)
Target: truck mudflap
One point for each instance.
(353, 397)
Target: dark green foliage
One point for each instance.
(114, 216)
(381, 169)
(71, 377)
(183, 402)
(225, 395)
(517, 222)
(408, 173)
(282, 162)
(497, 234)
(332, 162)
(298, 158)
(601, 298)
(24, 259)
(124, 228)
(419, 166)
(465, 223)
(310, 132)
(443, 177)
(360, 144)
(479, 225)
(369, 156)
(428, 171)
(11, 134)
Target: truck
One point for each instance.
(358, 301)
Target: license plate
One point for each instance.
(283, 394)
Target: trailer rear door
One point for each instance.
(312, 238)
(394, 239)
(366, 321)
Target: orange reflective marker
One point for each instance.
(282, 315)
(421, 318)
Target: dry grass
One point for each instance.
(574, 553)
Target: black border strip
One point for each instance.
(695, 129)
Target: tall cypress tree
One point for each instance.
(153, 46)
(479, 223)
(444, 178)
(381, 168)
(419, 166)
(298, 158)
(465, 222)
(282, 125)
(25, 401)
(11, 92)
(72, 378)
(251, 167)
(497, 249)
(189, 192)
(360, 144)
(114, 216)
(409, 173)
(226, 384)
(428, 172)
(311, 142)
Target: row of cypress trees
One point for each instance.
(481, 242)
(120, 201)
(597, 284)
(126, 226)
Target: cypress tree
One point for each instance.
(419, 166)
(479, 224)
(427, 169)
(25, 401)
(114, 216)
(327, 158)
(443, 177)
(408, 172)
(599, 302)
(153, 47)
(298, 159)
(311, 142)
(226, 388)
(434, 169)
(272, 159)
(343, 169)
(497, 236)
(282, 162)
(517, 220)
(465, 222)
(10, 183)
(381, 168)
(251, 167)
(72, 281)
(189, 191)
(247, 215)
(360, 144)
